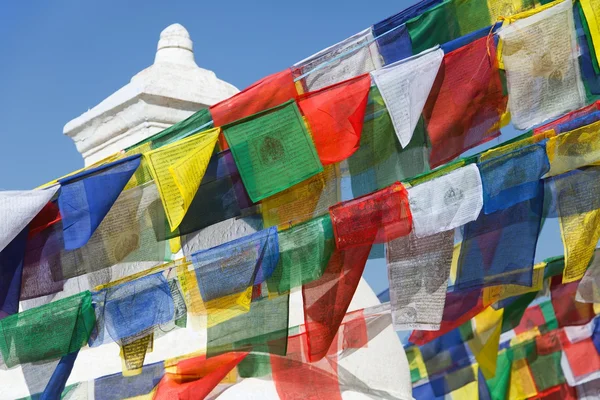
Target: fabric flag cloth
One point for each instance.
(303, 201)
(499, 248)
(574, 149)
(513, 177)
(446, 202)
(86, 198)
(567, 118)
(196, 377)
(375, 218)
(347, 59)
(125, 236)
(405, 87)
(272, 150)
(327, 299)
(58, 381)
(129, 310)
(418, 270)
(221, 191)
(50, 331)
(588, 63)
(11, 272)
(18, 208)
(539, 54)
(568, 311)
(466, 102)
(380, 160)
(269, 92)
(592, 17)
(578, 206)
(304, 251)
(588, 290)
(335, 116)
(577, 122)
(263, 329)
(487, 327)
(392, 36)
(178, 169)
(117, 386)
(236, 266)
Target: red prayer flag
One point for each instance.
(296, 379)
(568, 311)
(466, 101)
(326, 300)
(560, 392)
(268, 92)
(532, 318)
(196, 377)
(373, 218)
(582, 356)
(335, 115)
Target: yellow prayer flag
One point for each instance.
(142, 175)
(591, 11)
(580, 234)
(574, 149)
(486, 337)
(470, 391)
(178, 169)
(133, 354)
(499, 151)
(522, 385)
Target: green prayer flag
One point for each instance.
(272, 150)
(47, 332)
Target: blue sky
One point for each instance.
(61, 58)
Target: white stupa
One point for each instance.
(168, 91)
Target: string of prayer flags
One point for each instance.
(418, 270)
(306, 200)
(405, 87)
(573, 149)
(11, 271)
(392, 36)
(513, 177)
(196, 377)
(590, 11)
(326, 300)
(178, 169)
(263, 329)
(578, 206)
(132, 308)
(269, 92)
(380, 160)
(236, 266)
(446, 202)
(50, 331)
(375, 218)
(539, 54)
(272, 150)
(304, 251)
(347, 59)
(568, 117)
(18, 208)
(466, 102)
(86, 198)
(499, 248)
(125, 235)
(335, 115)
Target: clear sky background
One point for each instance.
(61, 58)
